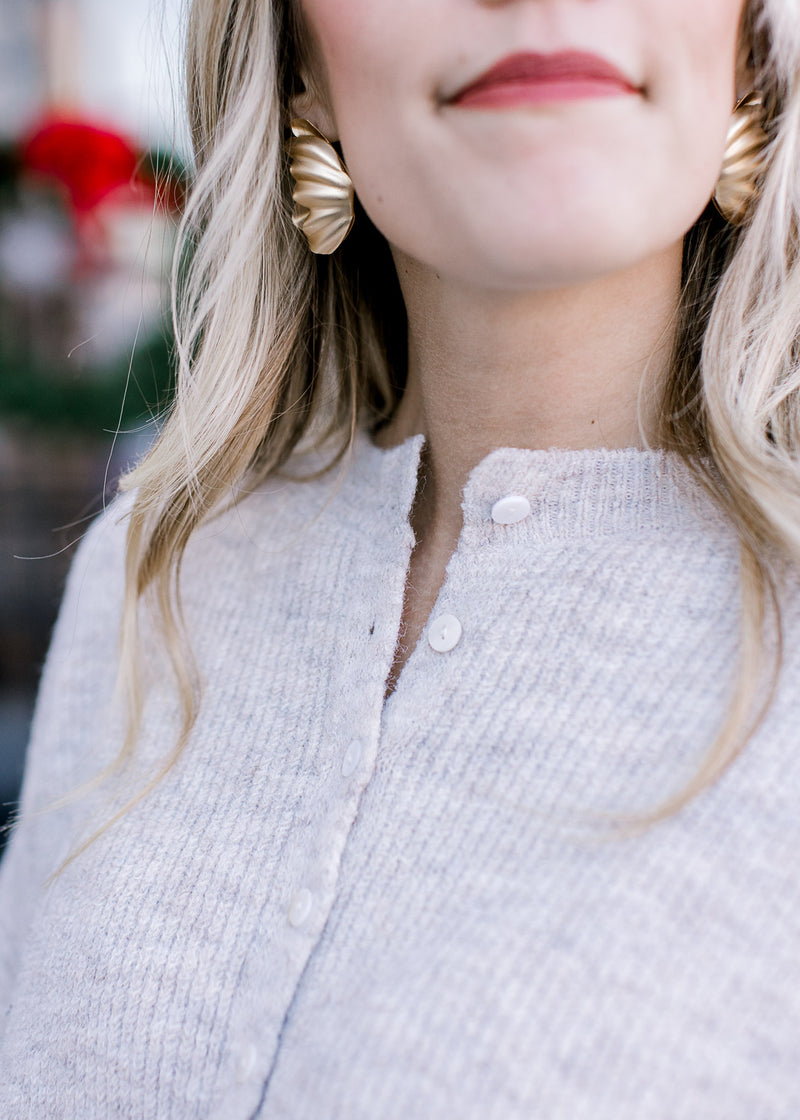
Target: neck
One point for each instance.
(577, 367)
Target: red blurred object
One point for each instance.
(90, 162)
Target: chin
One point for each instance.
(565, 257)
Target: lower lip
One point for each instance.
(507, 94)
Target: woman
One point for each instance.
(474, 530)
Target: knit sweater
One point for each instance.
(341, 907)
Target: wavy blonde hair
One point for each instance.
(275, 346)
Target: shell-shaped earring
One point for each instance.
(738, 184)
(323, 191)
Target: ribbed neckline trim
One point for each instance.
(573, 492)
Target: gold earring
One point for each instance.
(738, 184)
(323, 191)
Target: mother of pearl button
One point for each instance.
(301, 906)
(511, 509)
(444, 633)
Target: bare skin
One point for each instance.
(537, 239)
(572, 368)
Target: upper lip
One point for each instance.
(569, 65)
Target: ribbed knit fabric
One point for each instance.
(338, 909)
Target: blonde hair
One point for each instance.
(275, 346)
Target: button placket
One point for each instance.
(446, 630)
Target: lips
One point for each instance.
(530, 76)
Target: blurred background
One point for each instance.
(93, 169)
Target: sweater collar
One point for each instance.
(573, 493)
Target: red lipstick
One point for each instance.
(530, 78)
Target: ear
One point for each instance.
(313, 106)
(745, 63)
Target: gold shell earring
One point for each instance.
(323, 191)
(738, 184)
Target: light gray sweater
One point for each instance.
(338, 908)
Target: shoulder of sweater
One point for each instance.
(264, 517)
(96, 575)
(96, 578)
(91, 606)
(78, 676)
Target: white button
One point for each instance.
(511, 509)
(445, 633)
(301, 906)
(352, 758)
(245, 1066)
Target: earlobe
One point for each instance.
(311, 106)
(745, 66)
